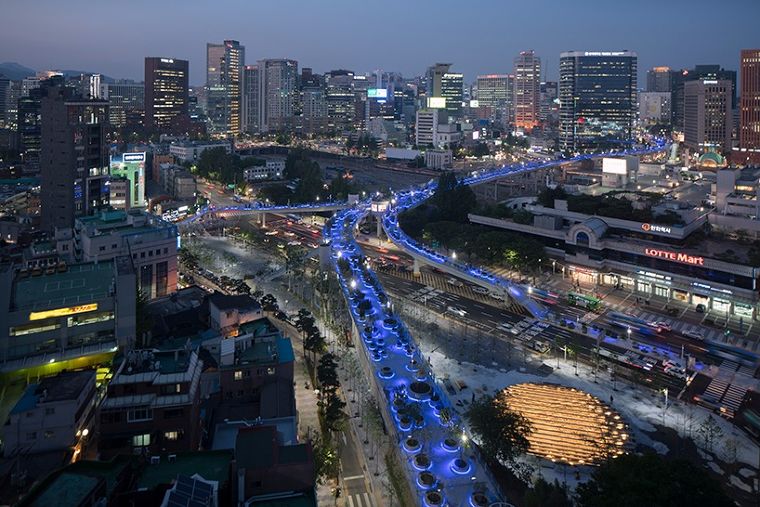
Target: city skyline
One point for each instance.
(490, 41)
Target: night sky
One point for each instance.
(478, 36)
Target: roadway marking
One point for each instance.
(353, 477)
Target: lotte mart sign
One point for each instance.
(675, 256)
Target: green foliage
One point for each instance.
(269, 303)
(547, 195)
(480, 150)
(545, 494)
(452, 199)
(632, 480)
(326, 460)
(503, 434)
(332, 410)
(327, 373)
(218, 165)
(523, 216)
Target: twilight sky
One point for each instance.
(478, 36)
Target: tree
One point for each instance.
(709, 431)
(326, 460)
(327, 373)
(545, 494)
(332, 411)
(269, 303)
(503, 434)
(651, 480)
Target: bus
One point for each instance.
(588, 302)
(544, 296)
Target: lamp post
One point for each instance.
(464, 443)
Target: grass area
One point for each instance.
(398, 480)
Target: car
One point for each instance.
(663, 326)
(700, 308)
(477, 289)
(694, 335)
(456, 311)
(496, 296)
(294, 243)
(454, 282)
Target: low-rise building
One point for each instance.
(271, 170)
(227, 313)
(152, 404)
(67, 312)
(54, 414)
(148, 240)
(178, 182)
(190, 151)
(438, 159)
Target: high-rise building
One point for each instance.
(250, 117)
(433, 79)
(313, 102)
(707, 115)
(224, 72)
(711, 72)
(278, 93)
(495, 93)
(73, 157)
(452, 90)
(654, 108)
(29, 120)
(749, 108)
(527, 90)
(660, 79)
(166, 91)
(597, 93)
(126, 99)
(426, 127)
(5, 102)
(548, 110)
(339, 99)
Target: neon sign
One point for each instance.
(674, 256)
(62, 312)
(655, 228)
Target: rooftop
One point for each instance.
(80, 283)
(286, 500)
(266, 352)
(61, 387)
(68, 489)
(257, 447)
(228, 302)
(212, 465)
(123, 222)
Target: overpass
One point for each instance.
(424, 255)
(211, 215)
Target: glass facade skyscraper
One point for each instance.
(597, 92)
(224, 73)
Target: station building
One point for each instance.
(671, 262)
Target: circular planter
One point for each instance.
(450, 445)
(479, 499)
(398, 403)
(411, 444)
(433, 498)
(425, 480)
(422, 462)
(460, 466)
(420, 375)
(386, 372)
(376, 356)
(405, 423)
(420, 390)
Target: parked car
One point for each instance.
(454, 282)
(700, 308)
(694, 335)
(477, 289)
(456, 311)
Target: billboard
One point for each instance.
(436, 102)
(132, 167)
(614, 166)
(377, 93)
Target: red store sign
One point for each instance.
(674, 256)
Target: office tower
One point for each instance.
(166, 92)
(73, 157)
(224, 71)
(597, 93)
(426, 127)
(494, 95)
(250, 116)
(278, 93)
(434, 77)
(29, 122)
(89, 86)
(126, 100)
(711, 72)
(527, 90)
(707, 115)
(749, 108)
(660, 79)
(452, 90)
(313, 102)
(548, 109)
(654, 108)
(6, 86)
(339, 99)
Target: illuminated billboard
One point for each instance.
(132, 167)
(377, 93)
(614, 166)
(436, 102)
(474, 104)
(62, 312)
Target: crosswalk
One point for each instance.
(359, 500)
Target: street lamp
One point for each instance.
(454, 255)
(554, 264)
(464, 443)
(353, 284)
(629, 333)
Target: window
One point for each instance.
(270, 371)
(172, 413)
(32, 435)
(49, 434)
(102, 248)
(158, 251)
(171, 435)
(171, 389)
(50, 411)
(142, 255)
(114, 246)
(166, 251)
(140, 414)
(238, 375)
(141, 440)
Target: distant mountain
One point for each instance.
(15, 71)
